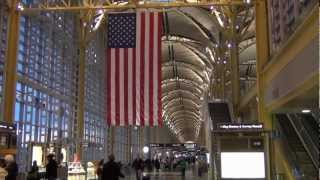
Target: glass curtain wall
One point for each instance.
(124, 150)
(285, 16)
(3, 43)
(121, 143)
(95, 125)
(45, 88)
(135, 139)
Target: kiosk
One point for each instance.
(239, 150)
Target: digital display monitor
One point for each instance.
(246, 165)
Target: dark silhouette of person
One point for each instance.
(148, 164)
(111, 170)
(3, 171)
(138, 166)
(12, 167)
(34, 172)
(34, 166)
(51, 168)
(183, 165)
(157, 164)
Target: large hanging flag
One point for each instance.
(133, 72)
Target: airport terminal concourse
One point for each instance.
(159, 89)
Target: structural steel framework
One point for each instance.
(60, 58)
(45, 106)
(71, 5)
(90, 9)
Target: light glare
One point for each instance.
(145, 149)
(306, 111)
(242, 165)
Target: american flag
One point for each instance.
(134, 69)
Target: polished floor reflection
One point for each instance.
(190, 175)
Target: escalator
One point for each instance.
(299, 134)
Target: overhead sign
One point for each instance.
(240, 126)
(176, 145)
(190, 145)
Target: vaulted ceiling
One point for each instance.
(196, 46)
(194, 49)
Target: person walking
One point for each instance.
(51, 168)
(138, 167)
(34, 172)
(111, 170)
(157, 164)
(201, 167)
(148, 164)
(183, 166)
(3, 171)
(11, 167)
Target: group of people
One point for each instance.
(110, 170)
(51, 170)
(8, 168)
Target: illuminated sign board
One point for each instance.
(177, 145)
(190, 146)
(240, 127)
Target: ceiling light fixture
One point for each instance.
(20, 6)
(100, 11)
(306, 111)
(98, 19)
(145, 149)
(219, 18)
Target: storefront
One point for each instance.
(8, 139)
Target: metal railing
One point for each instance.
(306, 137)
(290, 155)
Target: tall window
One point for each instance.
(95, 123)
(45, 88)
(3, 43)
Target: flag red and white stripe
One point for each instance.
(133, 76)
